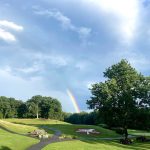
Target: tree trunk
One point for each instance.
(126, 132)
(37, 112)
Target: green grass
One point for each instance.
(88, 142)
(102, 145)
(138, 132)
(66, 128)
(22, 129)
(35, 121)
(9, 141)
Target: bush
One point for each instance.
(142, 139)
(126, 141)
(74, 137)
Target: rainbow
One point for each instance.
(73, 100)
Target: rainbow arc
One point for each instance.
(74, 101)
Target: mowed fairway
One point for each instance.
(9, 141)
(66, 128)
(101, 145)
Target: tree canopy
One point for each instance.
(37, 106)
(123, 93)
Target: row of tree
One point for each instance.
(37, 106)
(82, 118)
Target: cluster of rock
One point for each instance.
(42, 134)
(88, 131)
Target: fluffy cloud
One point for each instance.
(11, 25)
(5, 34)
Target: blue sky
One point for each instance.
(49, 46)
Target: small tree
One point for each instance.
(124, 91)
(34, 104)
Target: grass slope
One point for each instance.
(103, 145)
(9, 141)
(22, 129)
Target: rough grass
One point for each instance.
(103, 145)
(22, 129)
(9, 141)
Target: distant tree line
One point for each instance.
(36, 107)
(91, 118)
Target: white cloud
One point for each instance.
(7, 36)
(127, 12)
(11, 25)
(66, 22)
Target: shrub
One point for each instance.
(74, 137)
(141, 138)
(126, 141)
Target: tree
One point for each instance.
(22, 111)
(33, 104)
(45, 107)
(118, 98)
(9, 107)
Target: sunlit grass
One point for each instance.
(101, 145)
(23, 129)
(9, 141)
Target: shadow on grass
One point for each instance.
(5, 148)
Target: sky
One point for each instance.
(48, 47)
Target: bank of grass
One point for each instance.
(10, 141)
(103, 145)
(18, 128)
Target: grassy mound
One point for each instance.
(22, 129)
(9, 141)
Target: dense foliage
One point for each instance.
(37, 106)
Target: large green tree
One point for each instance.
(123, 93)
(44, 107)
